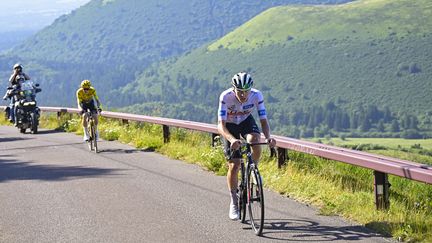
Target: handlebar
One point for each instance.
(245, 144)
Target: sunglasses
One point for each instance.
(242, 90)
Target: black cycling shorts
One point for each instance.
(247, 126)
(89, 106)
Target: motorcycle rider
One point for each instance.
(16, 79)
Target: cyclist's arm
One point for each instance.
(222, 129)
(222, 117)
(97, 99)
(262, 113)
(12, 79)
(26, 77)
(266, 130)
(78, 99)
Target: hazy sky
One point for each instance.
(33, 14)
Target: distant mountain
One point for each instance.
(25, 15)
(9, 39)
(112, 42)
(364, 53)
(133, 30)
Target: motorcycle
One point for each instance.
(26, 111)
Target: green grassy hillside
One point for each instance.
(362, 20)
(365, 53)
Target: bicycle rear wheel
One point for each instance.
(255, 200)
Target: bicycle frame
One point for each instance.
(246, 195)
(92, 142)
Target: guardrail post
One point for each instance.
(214, 139)
(381, 190)
(282, 156)
(125, 122)
(166, 133)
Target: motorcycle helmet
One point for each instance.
(85, 84)
(17, 66)
(242, 81)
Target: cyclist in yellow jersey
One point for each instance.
(86, 96)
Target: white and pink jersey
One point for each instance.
(232, 111)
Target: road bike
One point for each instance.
(250, 190)
(91, 131)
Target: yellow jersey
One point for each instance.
(85, 97)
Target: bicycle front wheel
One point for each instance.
(94, 139)
(241, 195)
(89, 142)
(255, 200)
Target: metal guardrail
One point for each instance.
(381, 165)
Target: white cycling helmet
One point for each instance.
(242, 81)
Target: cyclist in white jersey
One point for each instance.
(234, 120)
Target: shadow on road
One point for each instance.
(15, 170)
(42, 146)
(126, 151)
(12, 139)
(50, 131)
(310, 231)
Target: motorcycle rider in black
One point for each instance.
(15, 81)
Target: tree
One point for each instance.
(413, 123)
(380, 125)
(365, 124)
(394, 126)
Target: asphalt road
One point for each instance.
(52, 189)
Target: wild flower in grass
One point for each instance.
(72, 125)
(214, 160)
(110, 134)
(149, 143)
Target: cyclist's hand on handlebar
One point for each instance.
(235, 145)
(99, 110)
(271, 142)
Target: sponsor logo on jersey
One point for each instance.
(248, 106)
(238, 113)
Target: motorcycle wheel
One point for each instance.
(34, 123)
(7, 110)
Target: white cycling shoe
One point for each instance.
(86, 136)
(234, 213)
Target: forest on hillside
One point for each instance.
(355, 84)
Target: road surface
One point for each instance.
(52, 189)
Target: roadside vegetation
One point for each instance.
(334, 188)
